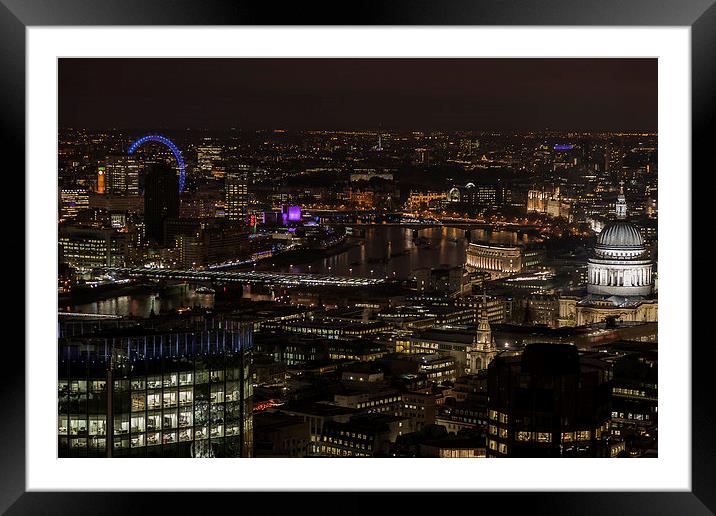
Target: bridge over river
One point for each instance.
(275, 278)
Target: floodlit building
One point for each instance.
(501, 259)
(620, 265)
(619, 278)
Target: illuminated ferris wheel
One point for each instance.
(170, 144)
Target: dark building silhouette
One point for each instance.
(548, 402)
(280, 435)
(634, 417)
(161, 201)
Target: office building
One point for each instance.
(72, 201)
(548, 402)
(365, 435)
(121, 175)
(318, 416)
(279, 435)
(208, 158)
(161, 201)
(473, 195)
(142, 392)
(86, 247)
(237, 193)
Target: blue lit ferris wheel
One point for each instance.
(170, 144)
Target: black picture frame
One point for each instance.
(700, 15)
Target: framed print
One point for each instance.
(265, 244)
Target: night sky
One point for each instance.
(419, 94)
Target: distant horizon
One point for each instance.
(363, 130)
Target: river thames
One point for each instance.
(384, 252)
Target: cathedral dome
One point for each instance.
(620, 265)
(620, 234)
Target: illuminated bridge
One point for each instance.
(275, 278)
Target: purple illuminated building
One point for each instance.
(291, 214)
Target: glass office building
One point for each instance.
(135, 392)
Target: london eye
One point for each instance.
(170, 144)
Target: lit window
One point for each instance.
(544, 437)
(524, 436)
(584, 435)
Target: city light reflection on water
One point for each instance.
(391, 249)
(141, 305)
(386, 251)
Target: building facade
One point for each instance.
(72, 201)
(237, 193)
(89, 247)
(474, 195)
(494, 258)
(137, 392)
(121, 175)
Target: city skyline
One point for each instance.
(359, 292)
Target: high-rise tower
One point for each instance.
(236, 192)
(121, 175)
(161, 201)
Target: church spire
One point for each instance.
(483, 350)
(484, 331)
(621, 206)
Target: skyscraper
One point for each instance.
(121, 175)
(237, 192)
(161, 200)
(208, 156)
